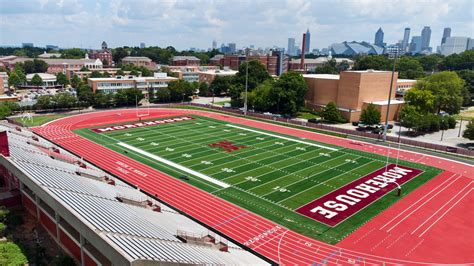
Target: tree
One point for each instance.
(64, 100)
(220, 85)
(370, 116)
(409, 116)
(118, 54)
(85, 95)
(95, 74)
(446, 88)
(430, 63)
(84, 68)
(259, 98)
(74, 53)
(14, 80)
(36, 80)
(105, 62)
(329, 67)
(76, 81)
(288, 93)
(120, 72)
(464, 60)
(331, 113)
(128, 97)
(377, 62)
(180, 90)
(40, 66)
(409, 68)
(257, 74)
(423, 100)
(34, 66)
(4, 111)
(43, 102)
(103, 100)
(146, 72)
(469, 132)
(62, 79)
(162, 95)
(204, 90)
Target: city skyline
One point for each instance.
(197, 24)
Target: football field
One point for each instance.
(270, 174)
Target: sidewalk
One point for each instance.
(450, 136)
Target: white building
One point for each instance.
(455, 45)
(145, 84)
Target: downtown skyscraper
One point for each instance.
(308, 42)
(379, 38)
(425, 38)
(406, 39)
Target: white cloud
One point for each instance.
(186, 23)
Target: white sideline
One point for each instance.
(175, 165)
(281, 137)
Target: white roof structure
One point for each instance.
(385, 102)
(321, 76)
(136, 232)
(43, 76)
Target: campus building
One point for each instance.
(145, 84)
(104, 55)
(311, 64)
(210, 74)
(274, 64)
(189, 73)
(3, 82)
(55, 65)
(140, 61)
(352, 91)
(186, 61)
(49, 81)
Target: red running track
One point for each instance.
(265, 237)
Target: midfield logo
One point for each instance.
(227, 146)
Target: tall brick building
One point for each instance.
(270, 62)
(352, 91)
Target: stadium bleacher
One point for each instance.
(138, 232)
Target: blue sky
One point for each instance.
(195, 23)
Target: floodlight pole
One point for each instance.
(246, 79)
(389, 94)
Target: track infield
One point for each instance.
(268, 173)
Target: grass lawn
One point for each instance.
(268, 173)
(11, 254)
(221, 103)
(465, 115)
(307, 115)
(38, 120)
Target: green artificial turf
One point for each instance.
(268, 175)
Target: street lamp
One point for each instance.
(392, 54)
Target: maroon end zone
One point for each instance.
(340, 204)
(141, 124)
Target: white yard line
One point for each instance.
(281, 137)
(175, 165)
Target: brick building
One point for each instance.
(185, 61)
(56, 65)
(270, 62)
(352, 91)
(104, 55)
(140, 61)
